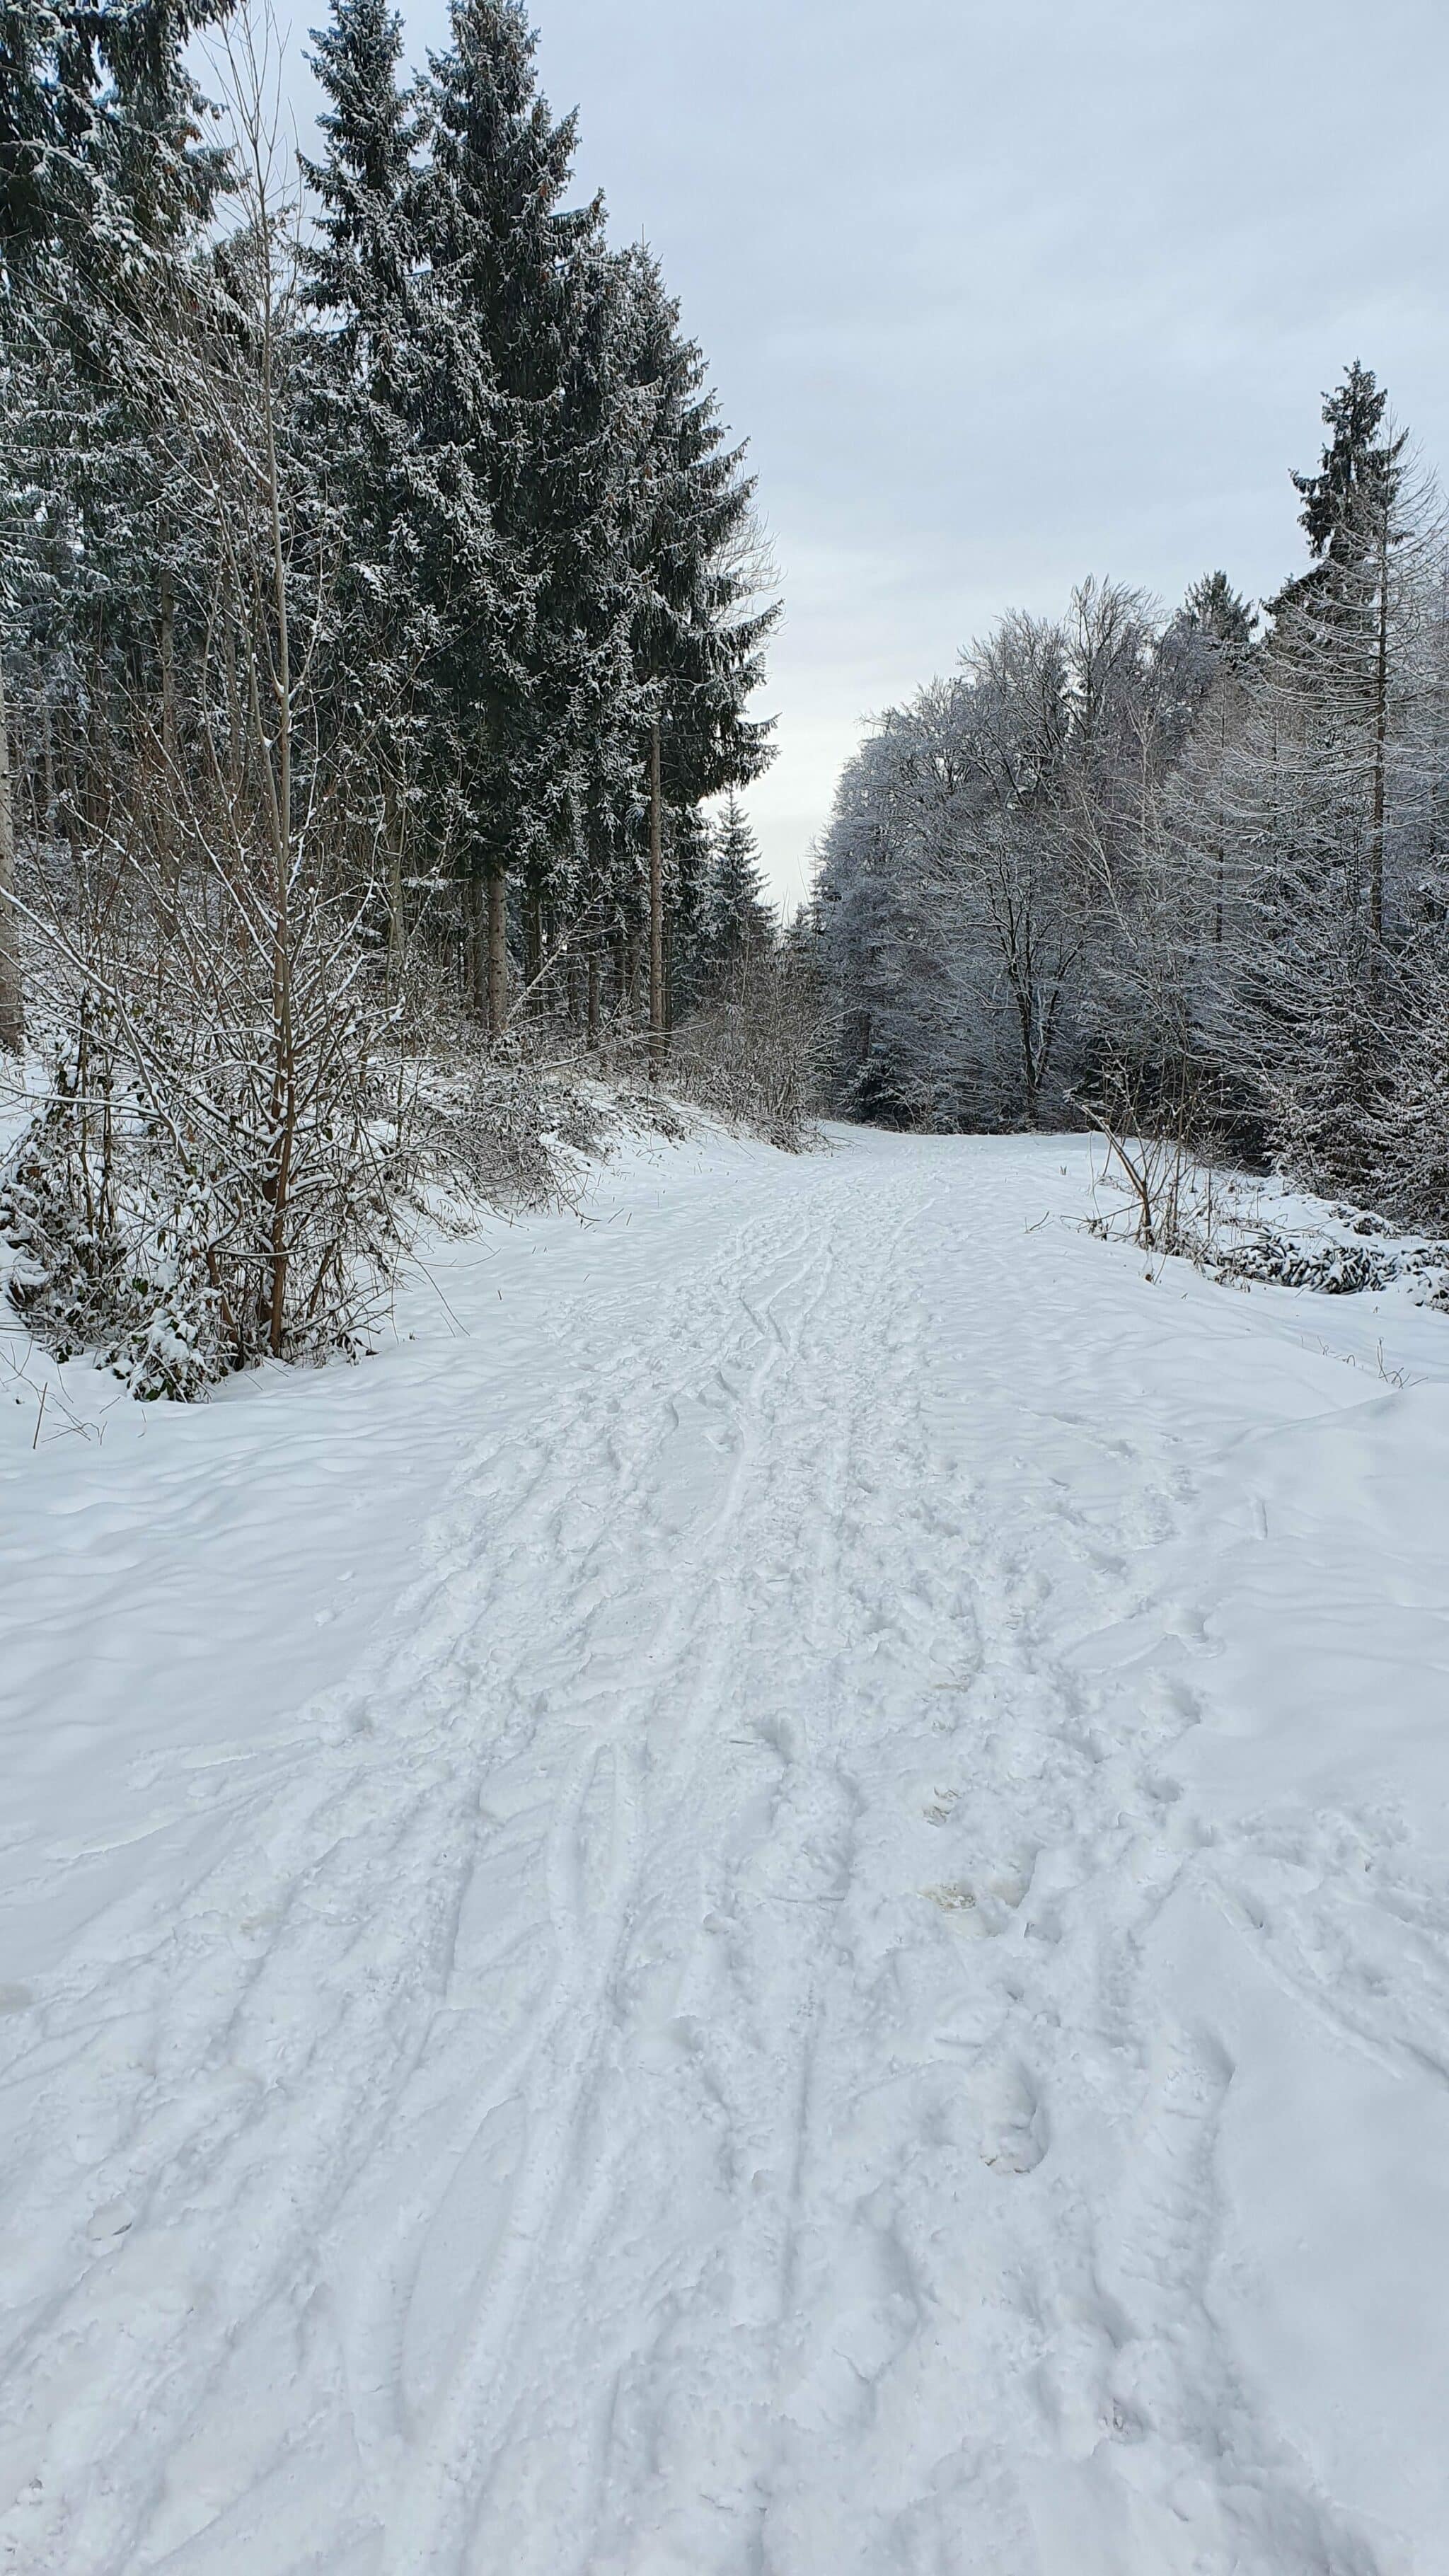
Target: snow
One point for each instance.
(773, 1899)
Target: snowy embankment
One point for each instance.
(776, 1900)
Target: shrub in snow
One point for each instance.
(752, 1052)
(107, 1253)
(1410, 1123)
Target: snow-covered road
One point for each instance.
(776, 1904)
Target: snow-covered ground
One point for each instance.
(774, 1902)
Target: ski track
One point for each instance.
(663, 2072)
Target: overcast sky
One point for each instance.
(1003, 292)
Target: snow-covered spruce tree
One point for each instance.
(1353, 517)
(687, 910)
(365, 283)
(1325, 805)
(747, 1041)
(698, 628)
(590, 605)
(739, 924)
(505, 254)
(101, 158)
(103, 175)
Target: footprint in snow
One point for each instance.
(1015, 2132)
(107, 2225)
(983, 1906)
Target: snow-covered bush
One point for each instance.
(752, 1053)
(499, 1127)
(168, 1196)
(106, 1252)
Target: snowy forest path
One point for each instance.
(693, 2053)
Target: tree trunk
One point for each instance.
(593, 997)
(533, 949)
(1222, 846)
(658, 1032)
(12, 996)
(475, 945)
(497, 955)
(1381, 736)
(278, 772)
(1029, 1077)
(166, 837)
(394, 896)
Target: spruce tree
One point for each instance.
(505, 255)
(698, 638)
(1218, 614)
(101, 157)
(740, 923)
(1344, 605)
(1359, 477)
(1306, 786)
(103, 175)
(362, 257)
(365, 284)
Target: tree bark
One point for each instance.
(593, 997)
(658, 1033)
(276, 764)
(475, 944)
(1381, 736)
(394, 895)
(497, 955)
(1222, 846)
(166, 837)
(12, 995)
(533, 948)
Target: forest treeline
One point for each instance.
(383, 600)
(1187, 873)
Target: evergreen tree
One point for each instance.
(365, 284)
(1218, 614)
(101, 161)
(506, 256)
(1359, 477)
(690, 890)
(698, 637)
(103, 175)
(1341, 611)
(740, 924)
(362, 258)
(1322, 803)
